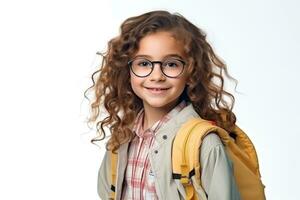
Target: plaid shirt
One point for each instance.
(139, 181)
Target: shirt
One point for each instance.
(139, 180)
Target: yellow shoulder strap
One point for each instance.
(185, 153)
(114, 160)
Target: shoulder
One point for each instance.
(212, 139)
(210, 143)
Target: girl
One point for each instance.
(157, 74)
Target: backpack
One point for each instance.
(186, 163)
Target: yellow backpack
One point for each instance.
(239, 148)
(186, 163)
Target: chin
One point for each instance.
(160, 104)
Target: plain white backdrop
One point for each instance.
(48, 53)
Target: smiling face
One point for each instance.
(158, 90)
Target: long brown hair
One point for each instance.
(111, 86)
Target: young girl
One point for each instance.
(158, 73)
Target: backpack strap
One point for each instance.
(185, 152)
(114, 160)
(186, 163)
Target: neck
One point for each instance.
(153, 114)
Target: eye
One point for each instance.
(142, 63)
(172, 63)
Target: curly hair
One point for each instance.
(112, 89)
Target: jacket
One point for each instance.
(217, 180)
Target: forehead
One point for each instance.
(159, 45)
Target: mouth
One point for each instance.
(156, 89)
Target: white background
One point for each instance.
(47, 55)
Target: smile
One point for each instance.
(157, 90)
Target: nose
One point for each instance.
(157, 73)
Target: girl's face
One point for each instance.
(158, 90)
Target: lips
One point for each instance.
(156, 88)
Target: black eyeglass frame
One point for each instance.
(152, 67)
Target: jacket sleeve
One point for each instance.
(104, 179)
(216, 170)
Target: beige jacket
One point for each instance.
(217, 181)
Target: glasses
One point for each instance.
(170, 67)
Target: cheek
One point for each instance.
(135, 83)
(180, 86)
(137, 90)
(132, 81)
(181, 83)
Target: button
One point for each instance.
(155, 151)
(165, 137)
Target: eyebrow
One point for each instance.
(168, 55)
